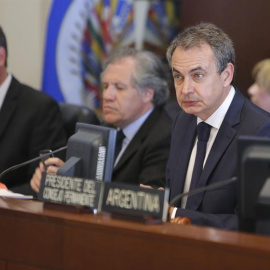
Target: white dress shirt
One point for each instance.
(4, 88)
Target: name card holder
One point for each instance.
(135, 203)
(120, 200)
(70, 193)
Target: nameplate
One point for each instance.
(134, 201)
(70, 191)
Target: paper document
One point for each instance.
(10, 194)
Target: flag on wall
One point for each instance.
(81, 34)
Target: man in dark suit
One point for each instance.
(30, 122)
(135, 89)
(202, 60)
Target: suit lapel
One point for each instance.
(225, 135)
(187, 135)
(138, 138)
(9, 105)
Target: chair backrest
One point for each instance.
(72, 114)
(172, 107)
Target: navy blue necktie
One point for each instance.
(119, 140)
(203, 131)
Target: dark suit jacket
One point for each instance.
(265, 131)
(29, 122)
(144, 160)
(216, 207)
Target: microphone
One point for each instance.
(30, 161)
(202, 189)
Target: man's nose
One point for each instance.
(109, 93)
(187, 86)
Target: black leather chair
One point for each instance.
(72, 114)
(172, 107)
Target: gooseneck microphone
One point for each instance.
(202, 189)
(31, 161)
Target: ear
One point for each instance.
(148, 95)
(3, 56)
(227, 74)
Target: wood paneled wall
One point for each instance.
(247, 22)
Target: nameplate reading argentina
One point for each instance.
(131, 200)
(70, 191)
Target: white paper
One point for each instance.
(10, 194)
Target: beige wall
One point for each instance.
(24, 23)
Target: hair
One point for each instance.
(205, 33)
(149, 73)
(261, 74)
(3, 43)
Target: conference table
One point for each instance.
(36, 237)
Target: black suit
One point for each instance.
(144, 160)
(29, 122)
(215, 207)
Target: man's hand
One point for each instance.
(178, 220)
(149, 187)
(53, 165)
(181, 220)
(3, 186)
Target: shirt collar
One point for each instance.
(4, 88)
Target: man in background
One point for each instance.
(135, 89)
(204, 139)
(30, 122)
